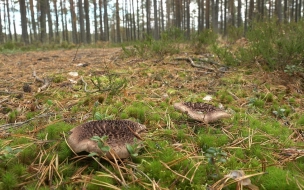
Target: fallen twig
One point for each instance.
(45, 81)
(194, 64)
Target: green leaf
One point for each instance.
(105, 148)
(98, 116)
(92, 154)
(130, 149)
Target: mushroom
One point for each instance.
(206, 113)
(119, 133)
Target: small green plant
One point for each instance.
(134, 148)
(292, 69)
(215, 156)
(101, 143)
(12, 116)
(111, 83)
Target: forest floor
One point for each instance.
(263, 139)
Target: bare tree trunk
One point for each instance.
(65, 21)
(43, 8)
(117, 23)
(168, 5)
(188, 19)
(57, 38)
(9, 20)
(100, 21)
(162, 16)
(87, 18)
(178, 18)
(50, 22)
(14, 23)
(148, 8)
(81, 22)
(1, 32)
(232, 11)
(239, 16)
(246, 20)
(279, 10)
(106, 23)
(156, 30)
(133, 21)
(95, 21)
(225, 17)
(73, 20)
(137, 20)
(62, 22)
(33, 19)
(215, 15)
(207, 14)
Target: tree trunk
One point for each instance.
(207, 14)
(215, 15)
(178, 13)
(168, 5)
(43, 8)
(239, 16)
(188, 18)
(62, 22)
(1, 33)
(162, 16)
(279, 10)
(106, 23)
(65, 21)
(87, 18)
(133, 21)
(33, 19)
(57, 38)
(50, 22)
(73, 20)
(101, 37)
(95, 21)
(9, 20)
(148, 8)
(81, 22)
(156, 30)
(117, 23)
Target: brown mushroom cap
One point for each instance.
(206, 113)
(119, 133)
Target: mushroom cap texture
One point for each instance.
(119, 133)
(204, 112)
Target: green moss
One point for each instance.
(276, 179)
(9, 180)
(301, 121)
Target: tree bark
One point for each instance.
(117, 23)
(81, 22)
(57, 38)
(87, 18)
(50, 22)
(9, 20)
(156, 30)
(33, 19)
(106, 23)
(73, 20)
(43, 8)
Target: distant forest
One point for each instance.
(86, 22)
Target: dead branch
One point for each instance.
(45, 81)
(194, 64)
(76, 53)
